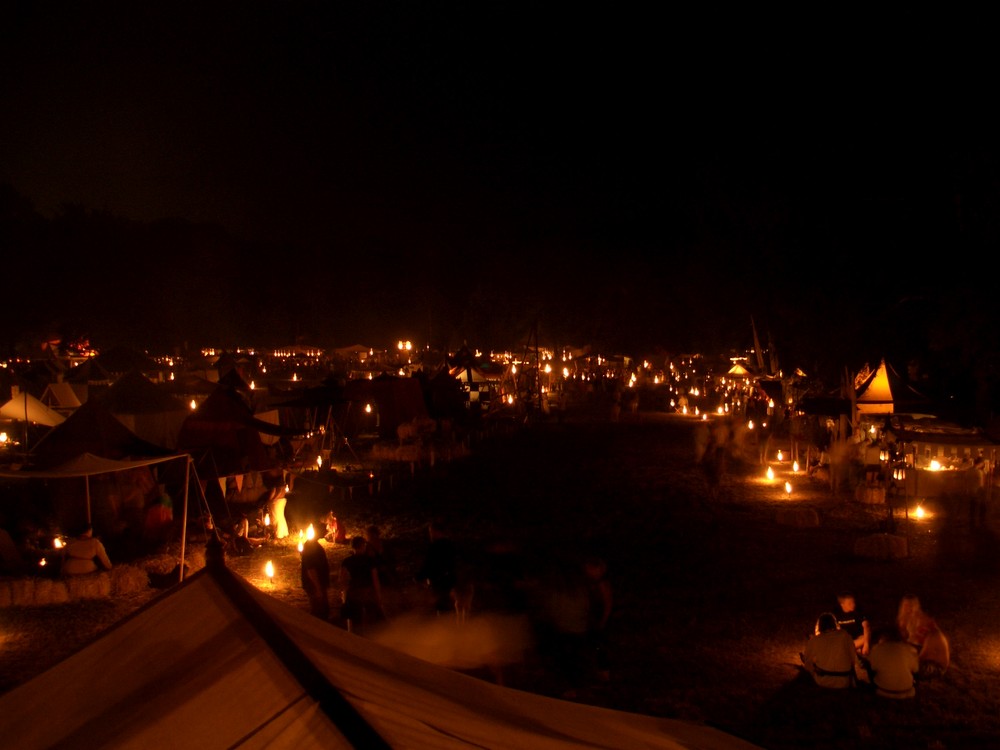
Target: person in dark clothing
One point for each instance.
(316, 578)
(854, 621)
(440, 568)
(362, 588)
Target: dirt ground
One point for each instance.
(714, 598)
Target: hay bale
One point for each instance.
(59, 593)
(870, 495)
(43, 591)
(90, 586)
(128, 579)
(22, 592)
(802, 518)
(881, 547)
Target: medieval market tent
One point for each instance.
(26, 408)
(146, 409)
(62, 397)
(86, 466)
(91, 429)
(114, 501)
(396, 399)
(884, 391)
(224, 436)
(215, 663)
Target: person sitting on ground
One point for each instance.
(241, 536)
(921, 631)
(85, 554)
(855, 622)
(893, 666)
(830, 656)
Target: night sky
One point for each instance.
(271, 172)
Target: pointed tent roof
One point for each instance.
(224, 436)
(884, 391)
(61, 395)
(26, 408)
(134, 393)
(91, 429)
(250, 671)
(121, 359)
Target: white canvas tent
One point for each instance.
(883, 391)
(26, 408)
(215, 663)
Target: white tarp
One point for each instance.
(26, 408)
(215, 663)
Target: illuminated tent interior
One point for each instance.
(884, 391)
(216, 663)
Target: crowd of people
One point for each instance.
(844, 651)
(570, 601)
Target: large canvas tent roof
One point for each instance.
(147, 410)
(215, 663)
(26, 408)
(91, 429)
(224, 436)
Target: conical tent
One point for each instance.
(884, 391)
(26, 408)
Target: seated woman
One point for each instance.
(921, 631)
(85, 554)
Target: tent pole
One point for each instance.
(86, 481)
(184, 526)
(26, 423)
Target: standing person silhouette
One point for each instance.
(316, 578)
(440, 567)
(362, 588)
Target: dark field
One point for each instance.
(713, 599)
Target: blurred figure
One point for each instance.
(11, 561)
(440, 567)
(376, 548)
(241, 536)
(335, 531)
(893, 666)
(362, 588)
(276, 507)
(316, 578)
(830, 656)
(85, 554)
(595, 570)
(921, 631)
